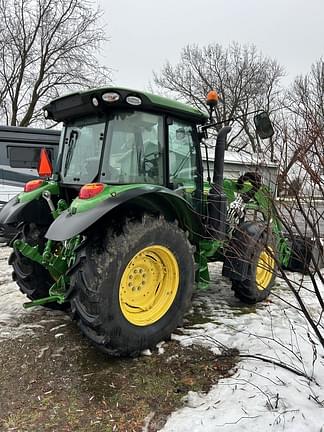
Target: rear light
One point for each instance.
(110, 97)
(33, 184)
(95, 102)
(134, 100)
(90, 190)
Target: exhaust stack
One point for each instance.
(216, 200)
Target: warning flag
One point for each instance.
(45, 168)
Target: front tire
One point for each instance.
(133, 287)
(261, 266)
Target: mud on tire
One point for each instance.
(96, 284)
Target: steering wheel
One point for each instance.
(152, 160)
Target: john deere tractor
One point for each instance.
(122, 230)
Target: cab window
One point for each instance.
(182, 157)
(133, 153)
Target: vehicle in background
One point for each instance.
(15, 150)
(20, 149)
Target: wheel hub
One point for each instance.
(149, 285)
(265, 269)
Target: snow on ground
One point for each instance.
(259, 396)
(11, 306)
(10, 298)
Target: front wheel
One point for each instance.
(261, 263)
(133, 287)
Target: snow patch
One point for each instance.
(260, 395)
(12, 312)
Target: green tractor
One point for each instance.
(123, 228)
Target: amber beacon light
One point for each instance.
(212, 97)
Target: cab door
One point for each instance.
(184, 161)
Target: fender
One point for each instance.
(29, 206)
(14, 212)
(154, 198)
(36, 211)
(240, 249)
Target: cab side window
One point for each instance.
(182, 156)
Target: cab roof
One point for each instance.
(83, 103)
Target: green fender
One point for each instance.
(15, 212)
(148, 198)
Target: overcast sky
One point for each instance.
(145, 33)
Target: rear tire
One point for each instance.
(33, 279)
(261, 270)
(132, 288)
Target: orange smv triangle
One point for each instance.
(45, 168)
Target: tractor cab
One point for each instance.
(121, 137)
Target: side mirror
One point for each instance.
(263, 125)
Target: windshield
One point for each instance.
(134, 152)
(82, 151)
(132, 149)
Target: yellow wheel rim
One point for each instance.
(149, 285)
(265, 268)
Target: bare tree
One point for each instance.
(245, 80)
(302, 122)
(303, 221)
(46, 47)
(302, 213)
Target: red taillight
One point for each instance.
(90, 190)
(33, 184)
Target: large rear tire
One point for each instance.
(262, 266)
(132, 287)
(33, 279)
